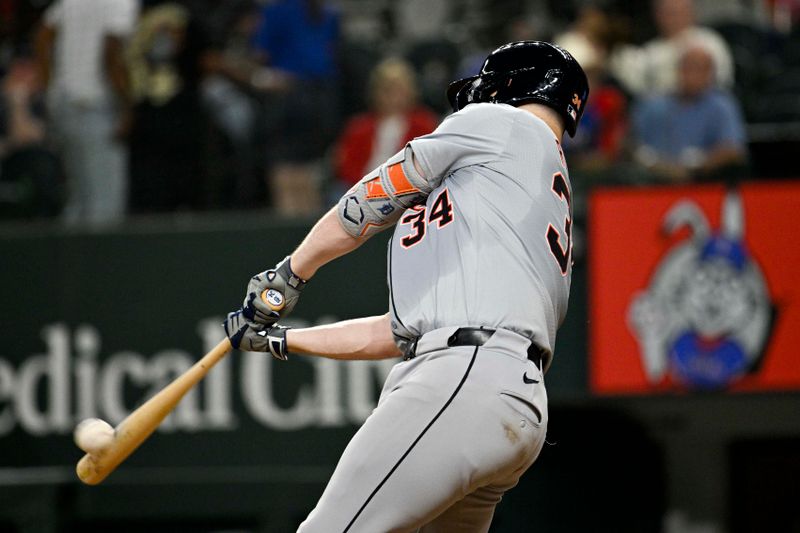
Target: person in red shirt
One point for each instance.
(394, 118)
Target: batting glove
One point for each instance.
(244, 336)
(283, 290)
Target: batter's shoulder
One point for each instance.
(482, 118)
(486, 111)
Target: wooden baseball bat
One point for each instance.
(140, 424)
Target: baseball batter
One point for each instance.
(479, 275)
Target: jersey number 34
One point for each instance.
(441, 213)
(561, 255)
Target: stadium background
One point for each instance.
(94, 317)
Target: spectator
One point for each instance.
(410, 28)
(653, 67)
(595, 152)
(588, 34)
(168, 126)
(696, 132)
(394, 119)
(229, 90)
(597, 149)
(30, 176)
(300, 38)
(80, 54)
(599, 142)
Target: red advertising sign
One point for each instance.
(695, 288)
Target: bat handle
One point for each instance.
(274, 299)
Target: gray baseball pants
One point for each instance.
(94, 162)
(454, 429)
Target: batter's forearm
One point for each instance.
(357, 339)
(326, 241)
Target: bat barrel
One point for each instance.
(140, 424)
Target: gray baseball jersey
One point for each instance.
(492, 245)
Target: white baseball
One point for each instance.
(93, 435)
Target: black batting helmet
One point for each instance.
(524, 72)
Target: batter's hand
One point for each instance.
(283, 297)
(249, 338)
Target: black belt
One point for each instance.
(478, 337)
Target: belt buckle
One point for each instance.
(474, 336)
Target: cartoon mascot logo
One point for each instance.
(707, 314)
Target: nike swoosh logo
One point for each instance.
(528, 380)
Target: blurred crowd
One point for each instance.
(111, 108)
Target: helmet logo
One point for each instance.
(571, 112)
(576, 101)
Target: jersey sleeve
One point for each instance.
(475, 135)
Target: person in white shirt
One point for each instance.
(80, 53)
(653, 68)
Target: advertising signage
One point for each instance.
(694, 288)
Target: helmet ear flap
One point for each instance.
(458, 92)
(504, 88)
(481, 89)
(464, 96)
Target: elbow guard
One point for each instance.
(378, 200)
